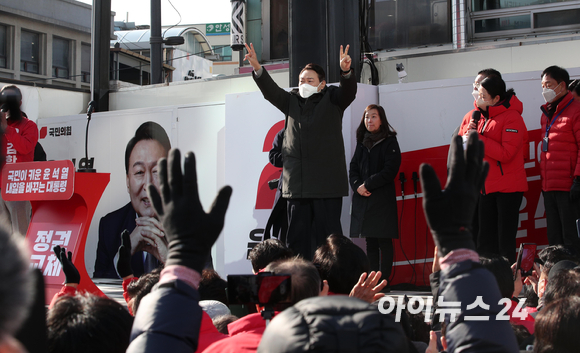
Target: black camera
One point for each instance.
(264, 288)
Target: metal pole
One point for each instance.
(156, 40)
(100, 50)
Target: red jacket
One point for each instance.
(505, 137)
(527, 321)
(245, 335)
(20, 139)
(208, 334)
(561, 163)
(64, 290)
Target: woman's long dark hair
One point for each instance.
(385, 128)
(495, 86)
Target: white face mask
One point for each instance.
(482, 103)
(475, 94)
(307, 90)
(549, 94)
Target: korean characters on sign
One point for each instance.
(43, 257)
(37, 181)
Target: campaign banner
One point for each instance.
(42, 238)
(32, 181)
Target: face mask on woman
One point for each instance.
(483, 104)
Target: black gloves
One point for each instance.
(124, 259)
(71, 273)
(575, 189)
(449, 213)
(190, 231)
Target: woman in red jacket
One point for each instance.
(504, 134)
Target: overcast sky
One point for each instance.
(192, 11)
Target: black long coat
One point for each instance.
(376, 215)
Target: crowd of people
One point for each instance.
(481, 300)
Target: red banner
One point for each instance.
(38, 181)
(42, 237)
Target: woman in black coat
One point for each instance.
(373, 169)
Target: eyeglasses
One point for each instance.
(476, 86)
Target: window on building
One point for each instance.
(29, 52)
(60, 57)
(493, 19)
(225, 52)
(85, 63)
(410, 23)
(278, 29)
(3, 45)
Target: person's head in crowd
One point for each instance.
(214, 308)
(374, 120)
(481, 75)
(500, 267)
(556, 328)
(521, 332)
(553, 254)
(563, 281)
(550, 256)
(11, 102)
(88, 323)
(492, 90)
(306, 281)
(16, 287)
(333, 324)
(574, 88)
(212, 287)
(221, 323)
(149, 144)
(554, 83)
(531, 297)
(138, 289)
(266, 252)
(340, 262)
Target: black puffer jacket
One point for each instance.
(333, 324)
(313, 148)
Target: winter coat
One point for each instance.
(333, 324)
(561, 163)
(245, 335)
(505, 137)
(465, 283)
(19, 140)
(208, 334)
(375, 215)
(169, 320)
(313, 148)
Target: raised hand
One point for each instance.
(449, 212)
(251, 57)
(345, 59)
(124, 259)
(72, 275)
(367, 289)
(190, 231)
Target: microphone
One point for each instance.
(403, 180)
(415, 178)
(90, 108)
(86, 164)
(476, 115)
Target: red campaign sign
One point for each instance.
(33, 181)
(42, 237)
